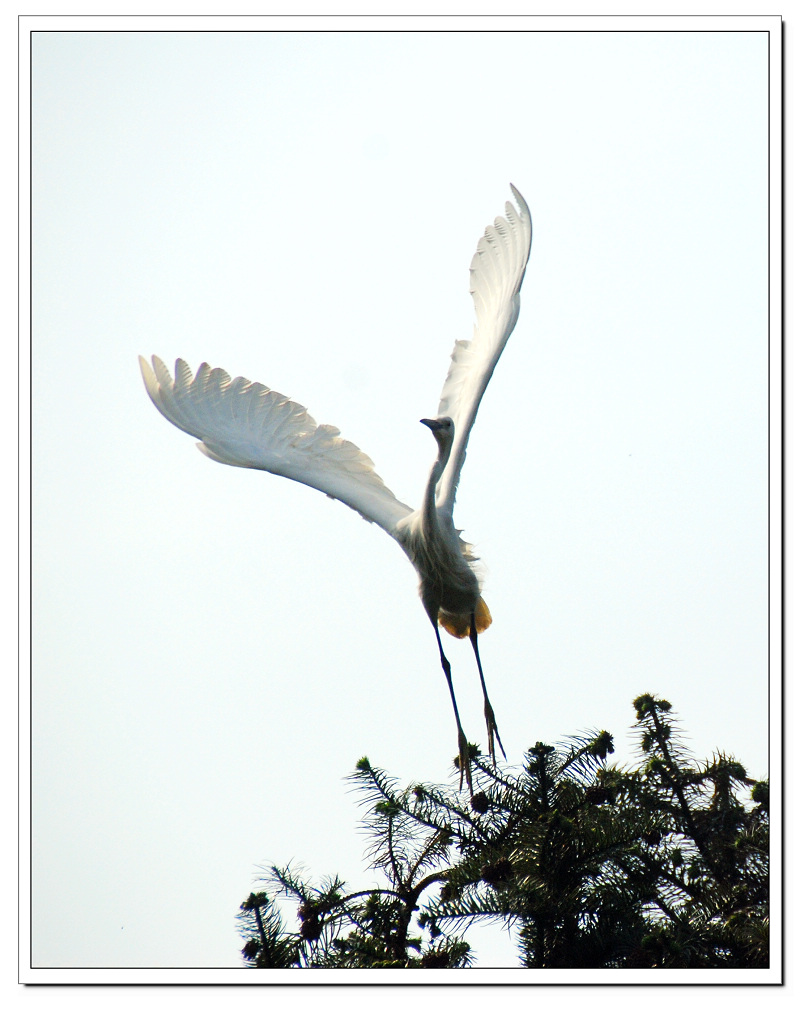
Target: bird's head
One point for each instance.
(443, 429)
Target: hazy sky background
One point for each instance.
(214, 648)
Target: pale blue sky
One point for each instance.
(214, 648)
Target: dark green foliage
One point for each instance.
(593, 866)
(270, 947)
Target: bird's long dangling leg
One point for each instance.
(463, 745)
(491, 726)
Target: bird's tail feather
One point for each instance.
(457, 624)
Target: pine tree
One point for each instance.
(593, 866)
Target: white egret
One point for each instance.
(246, 424)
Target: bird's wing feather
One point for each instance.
(244, 423)
(496, 274)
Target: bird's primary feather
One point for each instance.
(244, 423)
(496, 274)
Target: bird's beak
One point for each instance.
(434, 424)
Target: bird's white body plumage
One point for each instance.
(246, 424)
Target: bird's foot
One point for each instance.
(492, 731)
(464, 764)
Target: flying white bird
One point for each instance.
(244, 423)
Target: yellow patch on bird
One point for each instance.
(457, 624)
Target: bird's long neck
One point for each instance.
(430, 518)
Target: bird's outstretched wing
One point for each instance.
(243, 423)
(496, 274)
